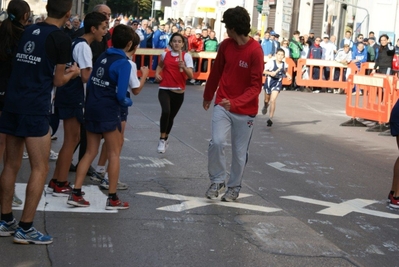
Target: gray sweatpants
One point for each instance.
(241, 127)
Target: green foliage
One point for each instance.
(91, 4)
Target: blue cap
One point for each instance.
(272, 33)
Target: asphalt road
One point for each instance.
(313, 194)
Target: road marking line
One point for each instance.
(188, 203)
(48, 202)
(344, 208)
(281, 167)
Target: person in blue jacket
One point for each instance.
(359, 56)
(159, 40)
(105, 97)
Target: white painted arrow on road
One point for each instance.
(281, 167)
(344, 208)
(188, 203)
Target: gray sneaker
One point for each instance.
(231, 194)
(16, 201)
(214, 190)
(264, 109)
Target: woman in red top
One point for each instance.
(176, 67)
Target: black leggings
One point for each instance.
(170, 104)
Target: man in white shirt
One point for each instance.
(135, 26)
(328, 54)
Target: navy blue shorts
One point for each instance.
(68, 113)
(394, 120)
(22, 125)
(124, 113)
(99, 127)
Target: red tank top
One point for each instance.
(172, 78)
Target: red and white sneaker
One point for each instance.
(116, 204)
(62, 191)
(77, 201)
(394, 203)
(50, 186)
(390, 196)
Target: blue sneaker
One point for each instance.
(31, 236)
(8, 228)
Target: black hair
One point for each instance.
(379, 40)
(280, 50)
(237, 18)
(58, 8)
(93, 19)
(177, 34)
(11, 29)
(122, 35)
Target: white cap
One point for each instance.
(325, 36)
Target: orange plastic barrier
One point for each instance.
(290, 70)
(146, 57)
(203, 62)
(375, 104)
(366, 68)
(312, 66)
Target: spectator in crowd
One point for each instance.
(116, 23)
(284, 46)
(311, 38)
(236, 78)
(295, 47)
(386, 51)
(211, 45)
(372, 43)
(172, 72)
(267, 45)
(370, 51)
(343, 56)
(75, 27)
(195, 44)
(158, 41)
(316, 52)
(328, 54)
(274, 39)
(359, 39)
(135, 27)
(346, 40)
(68, 27)
(257, 37)
(371, 34)
(359, 56)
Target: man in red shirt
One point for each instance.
(195, 44)
(236, 77)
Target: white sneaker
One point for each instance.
(53, 155)
(120, 186)
(316, 91)
(25, 155)
(162, 146)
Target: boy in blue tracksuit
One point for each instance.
(105, 97)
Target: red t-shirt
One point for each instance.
(237, 76)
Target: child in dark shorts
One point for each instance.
(111, 73)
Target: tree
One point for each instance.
(90, 4)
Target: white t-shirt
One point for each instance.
(269, 66)
(133, 80)
(82, 55)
